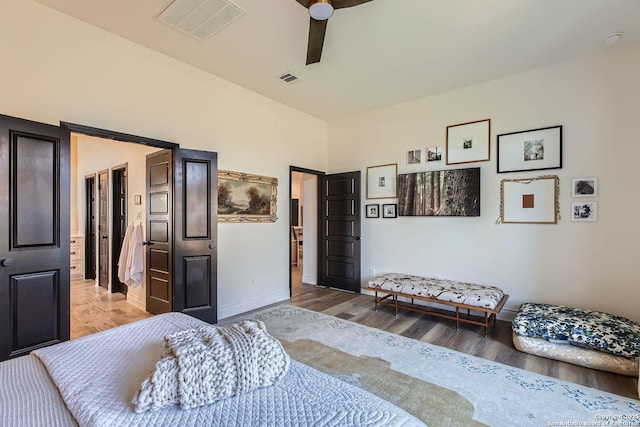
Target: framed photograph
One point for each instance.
(246, 198)
(530, 150)
(468, 142)
(434, 154)
(584, 211)
(584, 187)
(414, 157)
(382, 181)
(390, 210)
(532, 201)
(452, 192)
(373, 211)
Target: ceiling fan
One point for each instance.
(320, 11)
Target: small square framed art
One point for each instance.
(390, 210)
(372, 211)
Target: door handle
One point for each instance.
(147, 243)
(6, 262)
(357, 237)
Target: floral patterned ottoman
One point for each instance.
(597, 340)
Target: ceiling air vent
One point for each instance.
(288, 78)
(199, 19)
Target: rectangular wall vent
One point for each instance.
(199, 19)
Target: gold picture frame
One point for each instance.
(244, 197)
(469, 142)
(529, 200)
(382, 181)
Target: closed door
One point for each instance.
(34, 236)
(340, 253)
(103, 229)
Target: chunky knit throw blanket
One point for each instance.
(202, 365)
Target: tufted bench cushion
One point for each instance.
(584, 328)
(439, 289)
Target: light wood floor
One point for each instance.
(93, 309)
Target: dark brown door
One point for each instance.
(159, 247)
(182, 266)
(340, 253)
(119, 226)
(34, 236)
(195, 233)
(103, 229)
(90, 228)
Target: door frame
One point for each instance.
(90, 251)
(103, 233)
(67, 128)
(118, 212)
(319, 175)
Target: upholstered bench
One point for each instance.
(488, 300)
(583, 337)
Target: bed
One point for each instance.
(90, 381)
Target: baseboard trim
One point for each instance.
(136, 301)
(310, 280)
(252, 304)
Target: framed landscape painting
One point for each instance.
(244, 197)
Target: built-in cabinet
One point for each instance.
(77, 257)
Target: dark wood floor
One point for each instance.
(497, 346)
(94, 309)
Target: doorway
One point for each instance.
(90, 255)
(304, 226)
(103, 229)
(329, 214)
(118, 222)
(122, 182)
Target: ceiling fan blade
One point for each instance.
(304, 3)
(341, 4)
(317, 30)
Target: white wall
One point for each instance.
(56, 68)
(111, 154)
(589, 265)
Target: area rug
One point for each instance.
(442, 387)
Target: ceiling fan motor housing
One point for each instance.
(321, 10)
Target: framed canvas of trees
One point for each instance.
(453, 192)
(244, 197)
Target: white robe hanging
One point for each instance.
(131, 260)
(124, 253)
(135, 260)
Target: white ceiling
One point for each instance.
(377, 54)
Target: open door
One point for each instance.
(34, 236)
(103, 229)
(182, 266)
(90, 227)
(340, 253)
(118, 223)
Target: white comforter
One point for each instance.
(98, 375)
